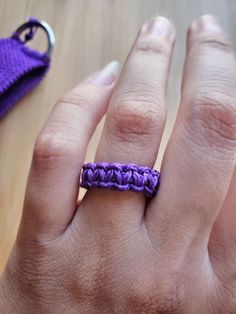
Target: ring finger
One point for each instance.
(200, 158)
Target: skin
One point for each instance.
(116, 252)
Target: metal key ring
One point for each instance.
(41, 24)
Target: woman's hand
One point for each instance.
(115, 252)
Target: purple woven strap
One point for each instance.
(123, 177)
(21, 69)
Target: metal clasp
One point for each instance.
(33, 23)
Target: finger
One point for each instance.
(135, 117)
(222, 244)
(52, 189)
(200, 156)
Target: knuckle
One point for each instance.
(75, 98)
(214, 40)
(217, 42)
(59, 137)
(52, 145)
(154, 296)
(132, 120)
(152, 45)
(215, 116)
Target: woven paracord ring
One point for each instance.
(123, 177)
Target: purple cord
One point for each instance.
(123, 177)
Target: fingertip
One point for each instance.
(207, 32)
(205, 23)
(159, 26)
(106, 76)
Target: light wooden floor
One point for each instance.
(89, 34)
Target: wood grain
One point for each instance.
(89, 33)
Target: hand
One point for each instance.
(115, 252)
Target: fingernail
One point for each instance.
(106, 76)
(208, 22)
(159, 26)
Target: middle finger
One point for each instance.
(136, 117)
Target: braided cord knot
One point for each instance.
(123, 177)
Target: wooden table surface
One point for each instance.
(89, 33)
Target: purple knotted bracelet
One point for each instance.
(123, 177)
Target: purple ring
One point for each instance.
(123, 177)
